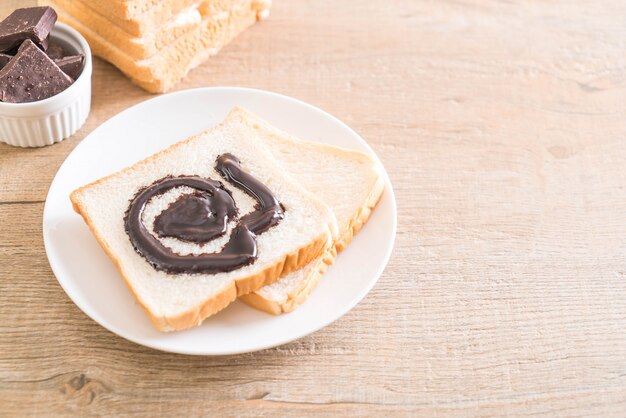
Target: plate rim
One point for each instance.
(388, 189)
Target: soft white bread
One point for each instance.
(350, 182)
(147, 20)
(136, 47)
(138, 18)
(127, 9)
(167, 55)
(179, 301)
(164, 31)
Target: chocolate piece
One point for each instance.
(4, 60)
(31, 76)
(201, 217)
(72, 65)
(55, 51)
(34, 23)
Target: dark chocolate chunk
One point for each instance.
(55, 51)
(34, 23)
(31, 76)
(45, 44)
(72, 65)
(4, 60)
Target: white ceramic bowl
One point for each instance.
(51, 120)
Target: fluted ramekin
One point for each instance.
(51, 120)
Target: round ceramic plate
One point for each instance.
(91, 280)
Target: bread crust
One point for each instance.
(297, 297)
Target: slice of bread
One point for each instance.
(350, 182)
(139, 18)
(146, 21)
(136, 47)
(127, 9)
(160, 72)
(179, 301)
(292, 290)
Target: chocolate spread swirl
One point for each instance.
(202, 216)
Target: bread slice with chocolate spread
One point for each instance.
(152, 220)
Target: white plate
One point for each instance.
(92, 282)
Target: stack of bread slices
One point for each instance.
(157, 42)
(327, 194)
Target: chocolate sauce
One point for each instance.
(201, 217)
(269, 212)
(196, 217)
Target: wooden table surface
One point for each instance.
(503, 128)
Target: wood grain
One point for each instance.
(503, 128)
